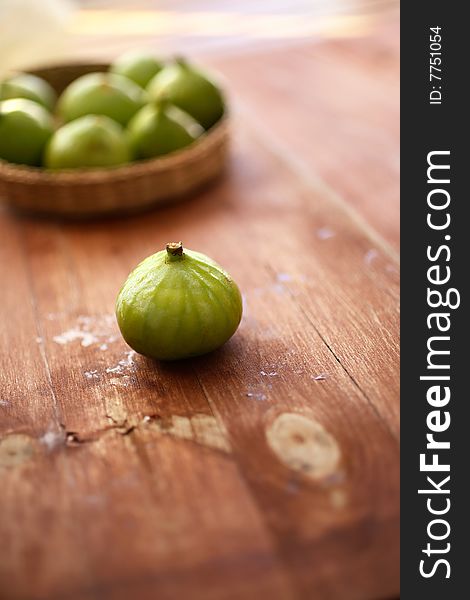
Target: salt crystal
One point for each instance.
(370, 256)
(278, 288)
(325, 233)
(124, 364)
(89, 331)
(92, 374)
(256, 396)
(86, 338)
(320, 377)
(52, 438)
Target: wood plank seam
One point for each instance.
(274, 540)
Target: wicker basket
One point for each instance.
(86, 192)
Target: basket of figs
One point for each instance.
(95, 139)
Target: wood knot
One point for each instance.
(15, 449)
(304, 445)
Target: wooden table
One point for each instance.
(270, 466)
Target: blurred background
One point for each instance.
(321, 77)
(80, 28)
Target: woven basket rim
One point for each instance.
(35, 175)
(73, 64)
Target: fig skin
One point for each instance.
(189, 89)
(89, 142)
(137, 66)
(178, 304)
(25, 127)
(160, 128)
(107, 94)
(30, 87)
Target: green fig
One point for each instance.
(138, 66)
(178, 303)
(106, 94)
(25, 127)
(159, 128)
(92, 141)
(189, 89)
(30, 87)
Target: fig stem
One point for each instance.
(174, 251)
(181, 61)
(162, 102)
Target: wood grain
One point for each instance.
(121, 476)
